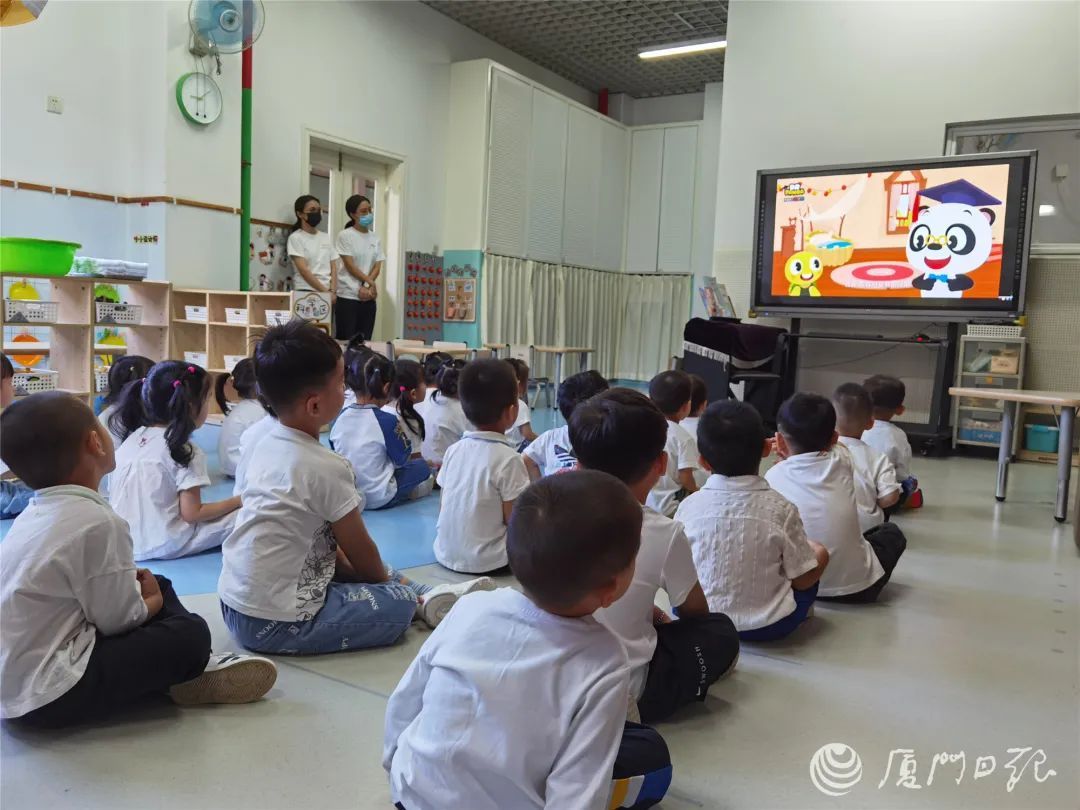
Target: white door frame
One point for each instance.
(394, 209)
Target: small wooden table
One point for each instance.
(1068, 402)
(562, 351)
(421, 349)
(496, 348)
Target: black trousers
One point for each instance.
(691, 655)
(170, 648)
(888, 543)
(352, 318)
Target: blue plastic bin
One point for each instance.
(1041, 438)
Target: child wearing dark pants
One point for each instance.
(86, 633)
(888, 543)
(752, 553)
(673, 663)
(518, 699)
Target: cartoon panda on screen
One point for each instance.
(949, 240)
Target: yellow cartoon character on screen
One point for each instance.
(802, 271)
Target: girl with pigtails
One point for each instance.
(160, 472)
(373, 440)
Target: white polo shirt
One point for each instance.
(682, 454)
(748, 544)
(508, 707)
(444, 424)
(552, 451)
(822, 487)
(145, 488)
(66, 574)
(240, 417)
(317, 251)
(281, 554)
(365, 250)
(479, 473)
(372, 441)
(523, 418)
(875, 478)
(663, 562)
(887, 438)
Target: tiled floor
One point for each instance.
(973, 649)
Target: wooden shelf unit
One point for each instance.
(71, 350)
(1046, 457)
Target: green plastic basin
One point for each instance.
(38, 256)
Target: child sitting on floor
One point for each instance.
(672, 663)
(551, 451)
(887, 393)
(519, 699)
(238, 417)
(373, 441)
(444, 419)
(482, 474)
(86, 633)
(749, 545)
(432, 364)
(876, 487)
(521, 433)
(124, 370)
(819, 480)
(698, 402)
(160, 472)
(672, 392)
(14, 494)
(407, 392)
(300, 575)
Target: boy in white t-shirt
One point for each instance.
(551, 451)
(672, 392)
(820, 481)
(699, 399)
(876, 487)
(521, 432)
(887, 393)
(672, 663)
(300, 575)
(14, 494)
(482, 474)
(518, 700)
(749, 545)
(86, 633)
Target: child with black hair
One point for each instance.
(160, 472)
(876, 487)
(698, 401)
(444, 420)
(551, 451)
(521, 432)
(300, 575)
(481, 474)
(238, 417)
(820, 481)
(86, 633)
(672, 392)
(373, 440)
(887, 393)
(672, 663)
(749, 545)
(14, 494)
(519, 699)
(406, 394)
(356, 352)
(124, 370)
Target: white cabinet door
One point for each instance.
(547, 177)
(582, 188)
(508, 164)
(677, 199)
(611, 217)
(643, 209)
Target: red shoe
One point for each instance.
(915, 500)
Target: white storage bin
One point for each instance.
(198, 358)
(278, 317)
(122, 314)
(193, 313)
(231, 360)
(31, 311)
(34, 381)
(236, 316)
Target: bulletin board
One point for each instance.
(460, 294)
(423, 295)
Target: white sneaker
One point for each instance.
(228, 678)
(439, 600)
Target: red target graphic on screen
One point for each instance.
(883, 275)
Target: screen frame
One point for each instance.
(763, 259)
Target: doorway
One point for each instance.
(337, 169)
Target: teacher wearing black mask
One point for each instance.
(311, 250)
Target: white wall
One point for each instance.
(849, 97)
(639, 112)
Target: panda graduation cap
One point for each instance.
(964, 193)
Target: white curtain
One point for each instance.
(633, 323)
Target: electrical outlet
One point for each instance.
(54, 104)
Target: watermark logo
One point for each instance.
(835, 769)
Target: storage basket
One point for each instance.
(198, 358)
(31, 311)
(122, 314)
(278, 317)
(236, 316)
(1041, 438)
(34, 381)
(987, 330)
(195, 313)
(231, 360)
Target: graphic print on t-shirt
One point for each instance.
(565, 458)
(316, 573)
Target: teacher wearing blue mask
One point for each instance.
(363, 257)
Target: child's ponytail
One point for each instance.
(130, 413)
(356, 355)
(172, 395)
(219, 392)
(377, 374)
(410, 375)
(433, 364)
(447, 378)
(128, 368)
(243, 380)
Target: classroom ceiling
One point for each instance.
(595, 43)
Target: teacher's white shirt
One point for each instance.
(366, 250)
(316, 250)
